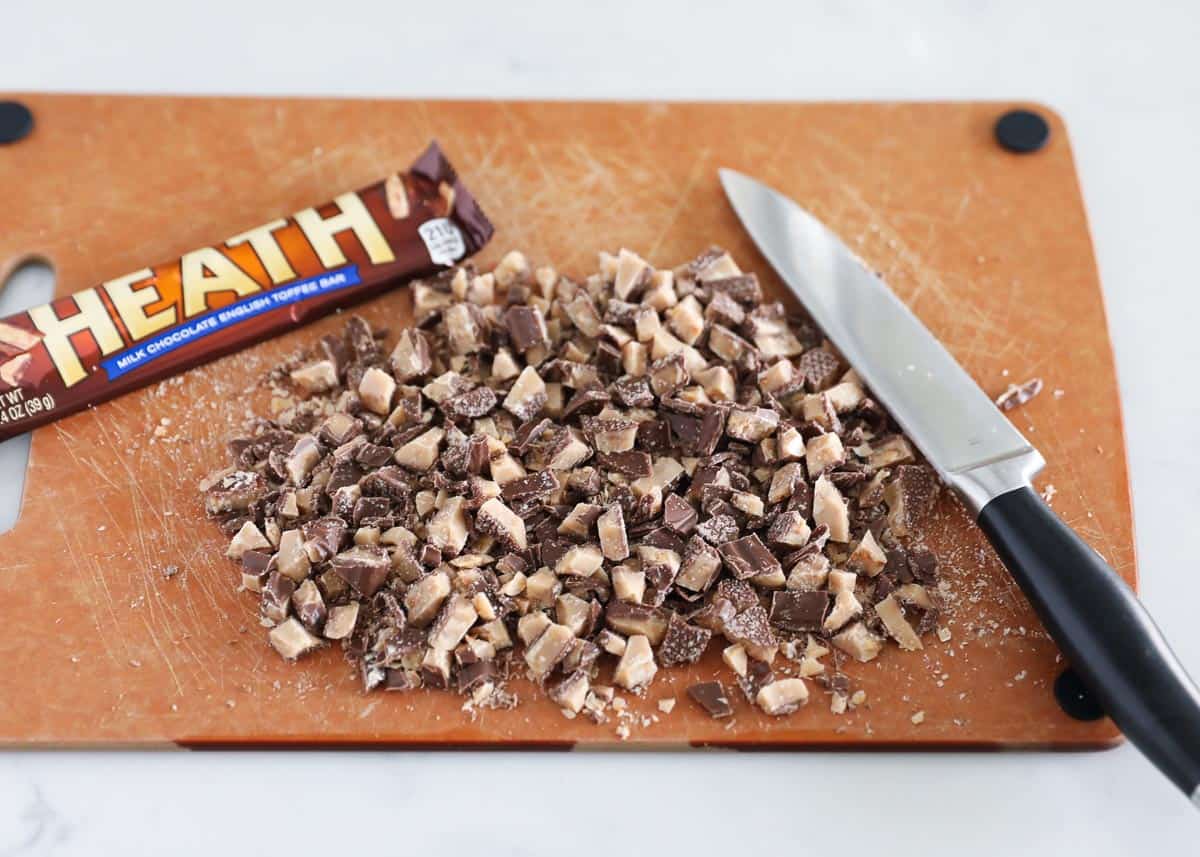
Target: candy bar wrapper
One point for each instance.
(77, 351)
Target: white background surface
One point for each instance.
(1127, 79)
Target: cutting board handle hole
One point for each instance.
(30, 284)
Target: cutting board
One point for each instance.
(99, 647)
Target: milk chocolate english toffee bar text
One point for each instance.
(77, 351)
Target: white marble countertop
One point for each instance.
(1125, 78)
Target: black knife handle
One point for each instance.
(1104, 631)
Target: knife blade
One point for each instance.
(1105, 632)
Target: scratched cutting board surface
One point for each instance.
(991, 250)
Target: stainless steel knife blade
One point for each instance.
(940, 407)
(1104, 631)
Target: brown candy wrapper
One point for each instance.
(77, 351)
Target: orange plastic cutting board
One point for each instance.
(98, 647)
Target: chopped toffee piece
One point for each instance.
(636, 667)
(891, 614)
(782, 696)
(598, 474)
(292, 640)
(610, 527)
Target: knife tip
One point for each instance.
(730, 179)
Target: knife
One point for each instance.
(1093, 616)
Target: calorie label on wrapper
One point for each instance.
(76, 351)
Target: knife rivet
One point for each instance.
(1022, 131)
(1074, 698)
(16, 122)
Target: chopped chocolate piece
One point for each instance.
(752, 628)
(718, 529)
(376, 389)
(923, 564)
(400, 680)
(736, 659)
(364, 568)
(740, 593)
(526, 328)
(551, 550)
(910, 497)
(237, 491)
(654, 436)
(387, 482)
(371, 456)
(632, 464)
(254, 562)
(845, 608)
(528, 434)
(799, 611)
(431, 557)
(584, 653)
(743, 288)
(276, 597)
(370, 507)
(587, 401)
(1019, 394)
(683, 643)
(633, 392)
(820, 368)
(323, 538)
(679, 514)
(538, 484)
(748, 557)
(711, 696)
(472, 675)
(309, 605)
(635, 619)
(471, 404)
(668, 374)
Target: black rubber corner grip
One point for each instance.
(1103, 630)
